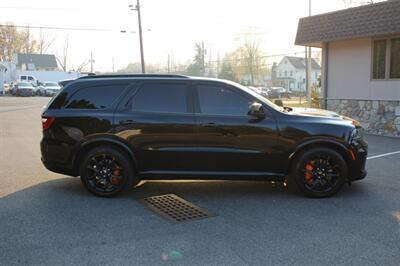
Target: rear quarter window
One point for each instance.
(95, 97)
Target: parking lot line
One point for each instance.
(383, 155)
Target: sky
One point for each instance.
(169, 27)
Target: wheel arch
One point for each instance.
(107, 141)
(339, 147)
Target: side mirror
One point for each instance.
(257, 110)
(278, 102)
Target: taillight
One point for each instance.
(47, 122)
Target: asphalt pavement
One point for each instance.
(50, 219)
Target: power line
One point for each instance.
(40, 8)
(261, 57)
(64, 28)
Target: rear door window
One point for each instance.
(161, 98)
(98, 97)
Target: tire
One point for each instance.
(318, 172)
(106, 171)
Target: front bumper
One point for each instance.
(357, 168)
(24, 93)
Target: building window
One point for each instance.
(395, 59)
(386, 59)
(379, 59)
(291, 73)
(285, 73)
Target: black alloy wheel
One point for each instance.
(105, 171)
(319, 172)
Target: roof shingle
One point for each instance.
(299, 62)
(358, 22)
(39, 60)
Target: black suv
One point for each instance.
(114, 131)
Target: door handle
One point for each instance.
(125, 122)
(208, 124)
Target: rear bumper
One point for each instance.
(58, 168)
(55, 157)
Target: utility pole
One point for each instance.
(141, 38)
(113, 69)
(140, 35)
(168, 64)
(308, 65)
(218, 58)
(209, 62)
(203, 64)
(91, 62)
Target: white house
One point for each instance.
(360, 62)
(290, 73)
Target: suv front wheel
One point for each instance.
(319, 172)
(106, 171)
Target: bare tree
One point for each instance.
(29, 44)
(43, 43)
(248, 59)
(14, 41)
(62, 59)
(82, 65)
(10, 42)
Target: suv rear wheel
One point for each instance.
(319, 172)
(106, 171)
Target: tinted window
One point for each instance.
(170, 98)
(218, 100)
(98, 97)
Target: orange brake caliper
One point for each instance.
(116, 177)
(308, 176)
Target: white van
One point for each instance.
(28, 79)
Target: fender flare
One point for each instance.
(91, 142)
(339, 146)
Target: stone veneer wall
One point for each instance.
(377, 117)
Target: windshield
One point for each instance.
(256, 95)
(51, 84)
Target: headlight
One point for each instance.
(357, 134)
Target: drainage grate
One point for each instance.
(175, 209)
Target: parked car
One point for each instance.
(114, 131)
(264, 92)
(48, 88)
(24, 89)
(279, 92)
(260, 90)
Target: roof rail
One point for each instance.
(92, 76)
